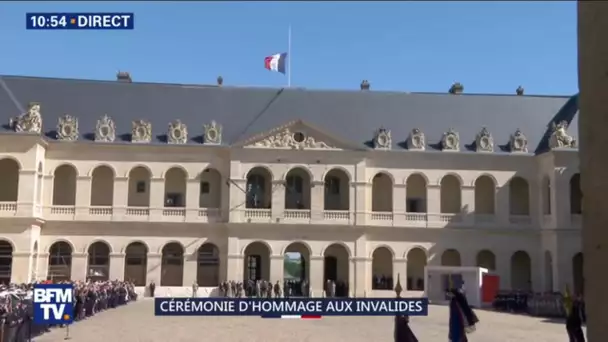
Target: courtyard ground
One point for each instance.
(136, 323)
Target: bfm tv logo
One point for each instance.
(53, 303)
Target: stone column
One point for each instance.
(234, 261)
(117, 266)
(503, 205)
(358, 202)
(237, 200)
(79, 266)
(316, 275)
(433, 201)
(593, 121)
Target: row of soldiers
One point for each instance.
(266, 289)
(16, 307)
(549, 304)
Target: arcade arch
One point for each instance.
(172, 265)
(486, 259)
(210, 189)
(102, 186)
(416, 197)
(485, 195)
(6, 261)
(175, 188)
(208, 265)
(257, 262)
(60, 261)
(519, 197)
(416, 262)
(9, 183)
(297, 189)
(99, 261)
(64, 185)
(296, 271)
(139, 187)
(336, 268)
(337, 190)
(136, 263)
(521, 271)
(382, 269)
(259, 188)
(382, 193)
(451, 195)
(451, 257)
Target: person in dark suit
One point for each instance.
(462, 318)
(575, 319)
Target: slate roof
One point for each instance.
(243, 112)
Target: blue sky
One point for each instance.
(490, 47)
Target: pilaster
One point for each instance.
(237, 199)
(79, 266)
(190, 269)
(503, 205)
(154, 268)
(120, 198)
(43, 266)
(277, 266)
(467, 204)
(21, 268)
(399, 203)
(400, 271)
(117, 266)
(157, 198)
(358, 203)
(316, 275)
(26, 192)
(83, 196)
(192, 199)
(278, 199)
(433, 199)
(317, 200)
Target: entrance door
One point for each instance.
(254, 267)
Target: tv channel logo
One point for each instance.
(53, 303)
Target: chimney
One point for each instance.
(220, 81)
(123, 76)
(519, 90)
(456, 88)
(365, 85)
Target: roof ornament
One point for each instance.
(365, 85)
(416, 140)
(105, 130)
(519, 91)
(212, 133)
(382, 139)
(177, 133)
(518, 142)
(559, 136)
(484, 142)
(141, 131)
(450, 141)
(67, 128)
(28, 122)
(456, 88)
(220, 81)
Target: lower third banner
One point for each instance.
(290, 307)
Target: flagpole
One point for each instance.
(289, 57)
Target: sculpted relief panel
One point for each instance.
(287, 139)
(28, 122)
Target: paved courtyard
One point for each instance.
(136, 323)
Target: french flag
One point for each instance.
(293, 316)
(276, 62)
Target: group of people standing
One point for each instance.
(17, 311)
(261, 289)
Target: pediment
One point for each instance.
(296, 135)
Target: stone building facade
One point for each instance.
(179, 184)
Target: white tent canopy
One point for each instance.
(435, 284)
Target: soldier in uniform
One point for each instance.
(403, 333)
(277, 290)
(575, 318)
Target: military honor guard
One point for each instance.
(403, 332)
(462, 318)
